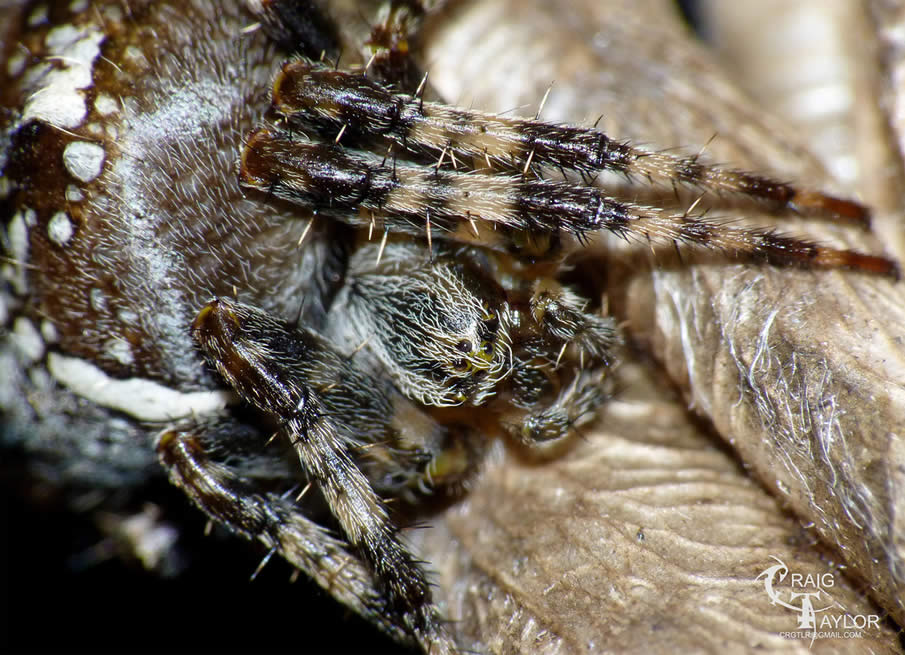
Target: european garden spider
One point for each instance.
(427, 308)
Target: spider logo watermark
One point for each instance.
(806, 593)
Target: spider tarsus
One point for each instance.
(855, 261)
(814, 202)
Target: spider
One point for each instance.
(386, 362)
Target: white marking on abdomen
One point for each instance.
(142, 399)
(58, 98)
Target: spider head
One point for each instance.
(470, 351)
(457, 348)
(438, 328)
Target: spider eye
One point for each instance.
(487, 347)
(464, 346)
(460, 364)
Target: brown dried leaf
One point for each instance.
(645, 536)
(802, 372)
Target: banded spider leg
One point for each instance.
(500, 211)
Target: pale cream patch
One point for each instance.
(97, 300)
(113, 13)
(134, 58)
(120, 350)
(49, 332)
(142, 399)
(38, 16)
(15, 64)
(17, 235)
(84, 160)
(74, 194)
(95, 129)
(57, 98)
(27, 340)
(105, 104)
(60, 229)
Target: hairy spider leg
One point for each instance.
(296, 377)
(560, 312)
(541, 424)
(354, 186)
(368, 112)
(554, 337)
(276, 522)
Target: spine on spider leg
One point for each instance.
(363, 111)
(279, 369)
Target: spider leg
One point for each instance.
(370, 113)
(544, 424)
(561, 315)
(276, 522)
(557, 328)
(296, 377)
(354, 186)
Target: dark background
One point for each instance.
(54, 602)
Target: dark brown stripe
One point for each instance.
(310, 174)
(312, 95)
